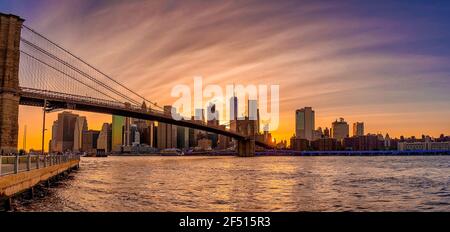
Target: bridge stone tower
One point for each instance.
(246, 147)
(10, 29)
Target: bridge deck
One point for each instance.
(36, 97)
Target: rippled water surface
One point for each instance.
(252, 184)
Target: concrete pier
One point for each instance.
(13, 184)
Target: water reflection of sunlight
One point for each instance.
(253, 184)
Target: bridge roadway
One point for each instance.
(36, 97)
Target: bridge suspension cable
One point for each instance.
(79, 71)
(49, 66)
(71, 77)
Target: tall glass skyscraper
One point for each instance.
(65, 131)
(358, 129)
(233, 113)
(118, 123)
(80, 127)
(233, 108)
(340, 129)
(305, 123)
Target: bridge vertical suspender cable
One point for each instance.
(89, 65)
(78, 71)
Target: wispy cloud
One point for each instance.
(323, 54)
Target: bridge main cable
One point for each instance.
(78, 71)
(73, 78)
(89, 65)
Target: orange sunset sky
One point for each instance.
(386, 64)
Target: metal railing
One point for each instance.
(13, 164)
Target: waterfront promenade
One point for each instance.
(21, 173)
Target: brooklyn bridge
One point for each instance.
(36, 71)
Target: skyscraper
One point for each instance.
(127, 132)
(182, 137)
(212, 116)
(192, 137)
(340, 129)
(258, 122)
(65, 131)
(199, 115)
(253, 113)
(193, 133)
(135, 137)
(118, 123)
(233, 113)
(161, 133)
(145, 129)
(52, 146)
(166, 133)
(252, 109)
(80, 127)
(233, 108)
(305, 123)
(174, 138)
(358, 129)
(89, 143)
(104, 138)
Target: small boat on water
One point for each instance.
(172, 152)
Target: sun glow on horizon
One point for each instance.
(362, 63)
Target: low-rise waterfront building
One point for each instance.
(428, 145)
(368, 142)
(298, 144)
(325, 144)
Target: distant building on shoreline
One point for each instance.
(64, 128)
(305, 123)
(368, 142)
(104, 142)
(325, 144)
(424, 146)
(339, 129)
(80, 127)
(90, 139)
(358, 129)
(298, 144)
(117, 128)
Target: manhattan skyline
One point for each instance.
(357, 61)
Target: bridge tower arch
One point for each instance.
(10, 30)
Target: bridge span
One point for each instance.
(35, 71)
(55, 100)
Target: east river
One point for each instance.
(154, 183)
